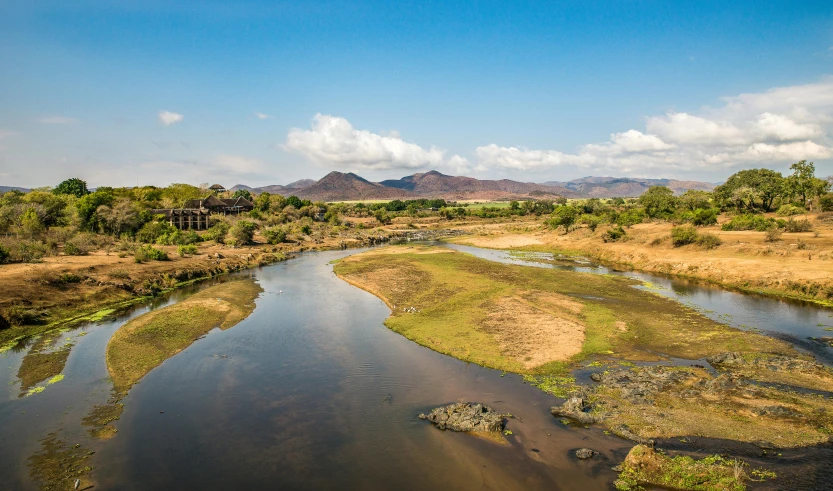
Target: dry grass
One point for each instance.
(525, 320)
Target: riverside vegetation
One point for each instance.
(71, 251)
(542, 323)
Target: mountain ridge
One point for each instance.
(339, 186)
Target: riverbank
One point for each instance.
(507, 317)
(792, 265)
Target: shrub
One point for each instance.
(18, 315)
(186, 249)
(802, 225)
(631, 217)
(708, 241)
(614, 234)
(149, 253)
(217, 232)
(4, 254)
(772, 235)
(749, 222)
(683, 235)
(26, 251)
(242, 232)
(151, 231)
(79, 245)
(790, 210)
(704, 216)
(306, 230)
(826, 202)
(275, 235)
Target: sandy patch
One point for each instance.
(531, 335)
(502, 241)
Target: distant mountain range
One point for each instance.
(6, 189)
(626, 187)
(338, 186)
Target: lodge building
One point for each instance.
(196, 212)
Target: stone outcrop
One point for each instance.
(463, 416)
(576, 408)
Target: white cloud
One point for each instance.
(262, 116)
(781, 125)
(56, 120)
(168, 118)
(333, 141)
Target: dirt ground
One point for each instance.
(61, 288)
(799, 265)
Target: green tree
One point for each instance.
(242, 193)
(175, 195)
(659, 201)
(262, 202)
(693, 200)
(564, 216)
(801, 183)
(751, 189)
(88, 205)
(30, 224)
(73, 186)
(514, 205)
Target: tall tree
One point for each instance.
(73, 186)
(752, 188)
(801, 182)
(658, 201)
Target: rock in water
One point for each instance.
(575, 408)
(464, 416)
(585, 453)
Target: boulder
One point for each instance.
(463, 416)
(576, 408)
(585, 453)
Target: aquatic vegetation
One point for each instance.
(644, 466)
(57, 465)
(40, 364)
(145, 342)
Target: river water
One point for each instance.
(312, 391)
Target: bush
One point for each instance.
(803, 225)
(306, 230)
(217, 232)
(4, 254)
(242, 232)
(186, 249)
(704, 216)
(149, 253)
(826, 202)
(275, 235)
(177, 237)
(708, 241)
(151, 231)
(26, 251)
(749, 222)
(614, 234)
(772, 235)
(79, 245)
(790, 210)
(683, 235)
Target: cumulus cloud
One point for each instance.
(783, 124)
(168, 118)
(333, 141)
(262, 116)
(56, 120)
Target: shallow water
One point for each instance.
(311, 391)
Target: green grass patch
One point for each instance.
(148, 340)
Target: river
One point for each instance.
(312, 391)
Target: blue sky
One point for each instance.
(270, 92)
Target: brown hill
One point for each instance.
(337, 186)
(435, 184)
